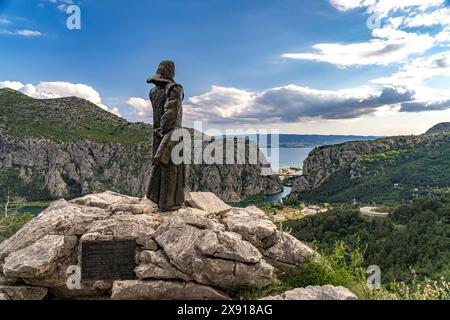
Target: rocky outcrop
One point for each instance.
(356, 161)
(207, 202)
(186, 254)
(322, 162)
(315, 293)
(38, 259)
(50, 169)
(22, 293)
(163, 290)
(439, 128)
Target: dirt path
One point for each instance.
(370, 212)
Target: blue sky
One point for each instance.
(299, 66)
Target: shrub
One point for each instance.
(12, 223)
(344, 267)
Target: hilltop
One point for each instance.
(439, 128)
(65, 119)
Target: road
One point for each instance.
(370, 212)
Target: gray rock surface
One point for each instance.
(189, 253)
(22, 293)
(164, 290)
(156, 265)
(68, 169)
(253, 225)
(208, 202)
(315, 293)
(38, 260)
(61, 218)
(288, 254)
(439, 128)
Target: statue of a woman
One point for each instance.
(167, 180)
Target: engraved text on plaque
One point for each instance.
(108, 260)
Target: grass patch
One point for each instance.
(344, 267)
(66, 119)
(12, 223)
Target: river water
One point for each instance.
(287, 157)
(267, 199)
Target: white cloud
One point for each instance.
(62, 4)
(219, 103)
(29, 33)
(444, 37)
(390, 43)
(12, 85)
(4, 21)
(62, 7)
(392, 46)
(437, 17)
(344, 5)
(23, 33)
(419, 70)
(384, 7)
(143, 107)
(427, 99)
(291, 104)
(59, 89)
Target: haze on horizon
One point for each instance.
(363, 67)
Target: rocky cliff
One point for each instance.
(69, 147)
(385, 169)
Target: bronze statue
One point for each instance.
(167, 180)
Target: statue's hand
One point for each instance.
(159, 132)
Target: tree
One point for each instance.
(11, 219)
(7, 204)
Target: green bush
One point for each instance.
(414, 236)
(345, 267)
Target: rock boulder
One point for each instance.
(207, 250)
(315, 293)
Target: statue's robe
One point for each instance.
(167, 181)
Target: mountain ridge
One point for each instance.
(389, 169)
(68, 147)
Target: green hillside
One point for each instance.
(65, 119)
(414, 236)
(404, 169)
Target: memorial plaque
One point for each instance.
(108, 260)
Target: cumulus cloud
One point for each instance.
(419, 70)
(290, 104)
(388, 49)
(425, 106)
(59, 89)
(142, 107)
(392, 41)
(436, 17)
(427, 99)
